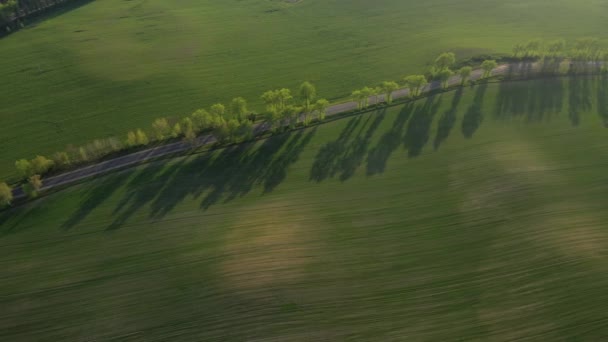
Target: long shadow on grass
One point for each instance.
(343, 156)
(96, 194)
(473, 117)
(532, 101)
(579, 98)
(419, 126)
(214, 177)
(602, 99)
(389, 142)
(447, 120)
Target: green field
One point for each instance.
(111, 66)
(472, 215)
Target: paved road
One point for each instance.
(179, 147)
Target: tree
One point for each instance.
(533, 48)
(61, 159)
(238, 108)
(518, 50)
(161, 127)
(24, 167)
(217, 109)
(465, 73)
(202, 120)
(283, 96)
(556, 48)
(177, 130)
(415, 83)
(220, 131)
(389, 87)
(33, 186)
(366, 92)
(444, 76)
(358, 96)
(321, 107)
(131, 140)
(445, 60)
(41, 165)
(271, 99)
(142, 138)
(6, 195)
(487, 66)
(308, 93)
(232, 126)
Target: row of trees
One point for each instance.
(582, 49)
(441, 71)
(228, 124)
(12, 11)
(285, 111)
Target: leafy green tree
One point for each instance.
(83, 155)
(33, 186)
(202, 120)
(308, 93)
(218, 109)
(533, 48)
(271, 99)
(415, 83)
(519, 50)
(131, 140)
(24, 167)
(6, 195)
(177, 130)
(367, 92)
(41, 165)
(321, 108)
(556, 48)
(232, 126)
(488, 66)
(238, 108)
(358, 96)
(142, 138)
(61, 159)
(465, 74)
(220, 131)
(284, 96)
(161, 128)
(444, 76)
(388, 87)
(445, 60)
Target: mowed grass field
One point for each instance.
(471, 215)
(111, 66)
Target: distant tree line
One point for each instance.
(13, 11)
(588, 50)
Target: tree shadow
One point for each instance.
(377, 158)
(534, 100)
(418, 128)
(358, 149)
(602, 99)
(447, 120)
(474, 116)
(579, 98)
(96, 194)
(214, 176)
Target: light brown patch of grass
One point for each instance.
(268, 246)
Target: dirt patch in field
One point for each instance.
(269, 246)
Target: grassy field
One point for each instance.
(472, 215)
(111, 66)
